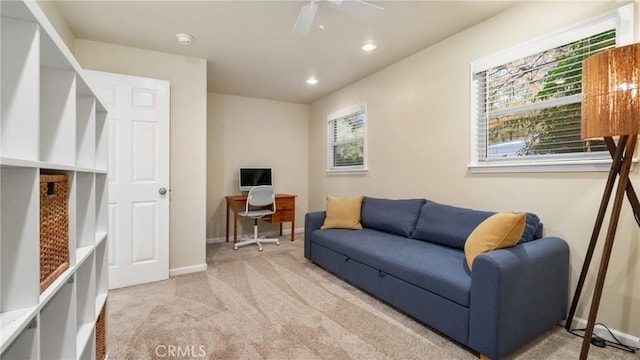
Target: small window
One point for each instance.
(527, 100)
(346, 135)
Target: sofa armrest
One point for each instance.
(312, 221)
(517, 294)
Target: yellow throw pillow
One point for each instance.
(498, 231)
(343, 213)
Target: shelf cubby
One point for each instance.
(89, 350)
(86, 210)
(85, 303)
(57, 116)
(85, 132)
(58, 325)
(20, 245)
(102, 272)
(102, 134)
(54, 53)
(25, 346)
(102, 206)
(73, 236)
(19, 62)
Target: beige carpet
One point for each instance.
(277, 305)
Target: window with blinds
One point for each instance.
(528, 106)
(346, 135)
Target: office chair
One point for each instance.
(259, 198)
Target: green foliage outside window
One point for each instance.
(348, 140)
(547, 77)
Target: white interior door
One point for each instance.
(138, 122)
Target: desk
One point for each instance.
(285, 212)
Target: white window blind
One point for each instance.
(346, 135)
(528, 108)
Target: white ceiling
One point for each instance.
(249, 47)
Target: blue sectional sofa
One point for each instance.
(410, 254)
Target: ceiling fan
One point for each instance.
(353, 7)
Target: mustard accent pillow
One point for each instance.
(498, 231)
(343, 213)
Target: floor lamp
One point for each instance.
(610, 109)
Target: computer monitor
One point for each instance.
(250, 177)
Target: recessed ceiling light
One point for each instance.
(369, 46)
(184, 39)
(312, 81)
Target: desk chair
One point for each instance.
(259, 198)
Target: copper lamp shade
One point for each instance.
(611, 93)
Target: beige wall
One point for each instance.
(188, 77)
(418, 140)
(248, 132)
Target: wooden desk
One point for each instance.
(285, 212)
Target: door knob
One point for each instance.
(162, 191)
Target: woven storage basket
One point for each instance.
(54, 228)
(101, 344)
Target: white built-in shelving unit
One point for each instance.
(51, 122)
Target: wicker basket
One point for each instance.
(54, 228)
(101, 344)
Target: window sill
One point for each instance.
(602, 165)
(348, 172)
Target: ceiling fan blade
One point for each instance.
(305, 19)
(358, 8)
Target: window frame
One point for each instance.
(621, 19)
(355, 169)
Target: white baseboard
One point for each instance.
(187, 269)
(222, 239)
(626, 339)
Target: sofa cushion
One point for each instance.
(435, 268)
(498, 231)
(343, 213)
(451, 226)
(393, 216)
(532, 228)
(447, 225)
